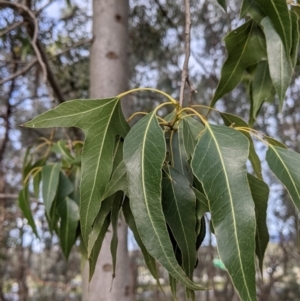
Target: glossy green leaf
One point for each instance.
(116, 206)
(50, 177)
(178, 153)
(101, 121)
(279, 64)
(24, 204)
(149, 260)
(219, 162)
(285, 164)
(222, 3)
(179, 204)
(261, 87)
(229, 120)
(260, 195)
(144, 154)
(295, 38)
(97, 246)
(245, 47)
(278, 13)
(69, 213)
(118, 181)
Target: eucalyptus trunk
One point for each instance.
(108, 77)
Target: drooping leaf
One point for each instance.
(173, 286)
(201, 205)
(261, 87)
(278, 13)
(274, 142)
(178, 153)
(97, 246)
(116, 206)
(222, 3)
(149, 260)
(144, 154)
(295, 38)
(201, 232)
(260, 195)
(69, 213)
(285, 164)
(50, 177)
(179, 204)
(230, 119)
(245, 47)
(118, 181)
(279, 64)
(249, 7)
(60, 148)
(219, 162)
(24, 204)
(101, 121)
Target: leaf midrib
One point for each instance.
(232, 211)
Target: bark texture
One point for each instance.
(109, 77)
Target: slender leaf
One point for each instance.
(101, 121)
(179, 204)
(279, 64)
(285, 164)
(260, 195)
(173, 286)
(24, 204)
(249, 7)
(245, 46)
(222, 3)
(60, 148)
(274, 142)
(229, 120)
(149, 260)
(69, 213)
(219, 162)
(262, 88)
(295, 38)
(50, 176)
(97, 246)
(277, 11)
(201, 204)
(144, 154)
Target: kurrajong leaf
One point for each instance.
(144, 154)
(179, 204)
(219, 163)
(222, 3)
(245, 46)
(279, 63)
(285, 165)
(101, 121)
(233, 120)
(260, 195)
(295, 38)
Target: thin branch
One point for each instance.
(20, 72)
(187, 50)
(31, 15)
(11, 27)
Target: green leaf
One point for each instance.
(116, 206)
(178, 153)
(118, 181)
(50, 177)
(274, 142)
(60, 148)
(285, 165)
(229, 120)
(201, 204)
(222, 3)
(260, 195)
(101, 121)
(200, 231)
(261, 87)
(219, 163)
(278, 13)
(149, 260)
(173, 286)
(97, 246)
(179, 204)
(24, 204)
(69, 213)
(144, 154)
(250, 8)
(279, 64)
(295, 38)
(245, 46)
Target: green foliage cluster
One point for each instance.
(165, 173)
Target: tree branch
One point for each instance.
(187, 50)
(11, 27)
(32, 17)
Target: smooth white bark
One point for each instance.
(109, 77)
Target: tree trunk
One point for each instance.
(109, 77)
